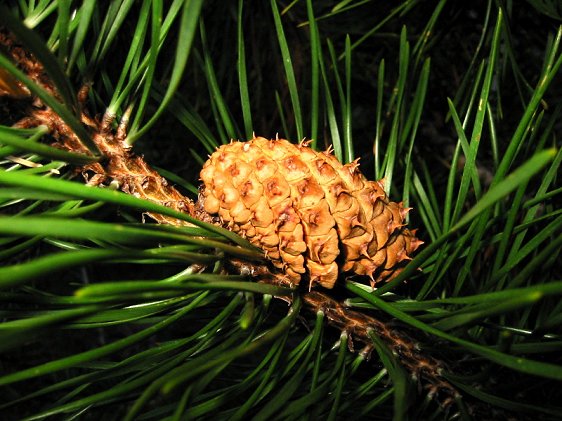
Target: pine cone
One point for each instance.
(313, 216)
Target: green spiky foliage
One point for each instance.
(106, 315)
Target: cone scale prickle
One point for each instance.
(313, 217)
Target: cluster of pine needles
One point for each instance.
(119, 301)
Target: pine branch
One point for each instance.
(120, 167)
(465, 117)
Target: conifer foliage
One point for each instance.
(158, 260)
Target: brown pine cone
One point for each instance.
(312, 216)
